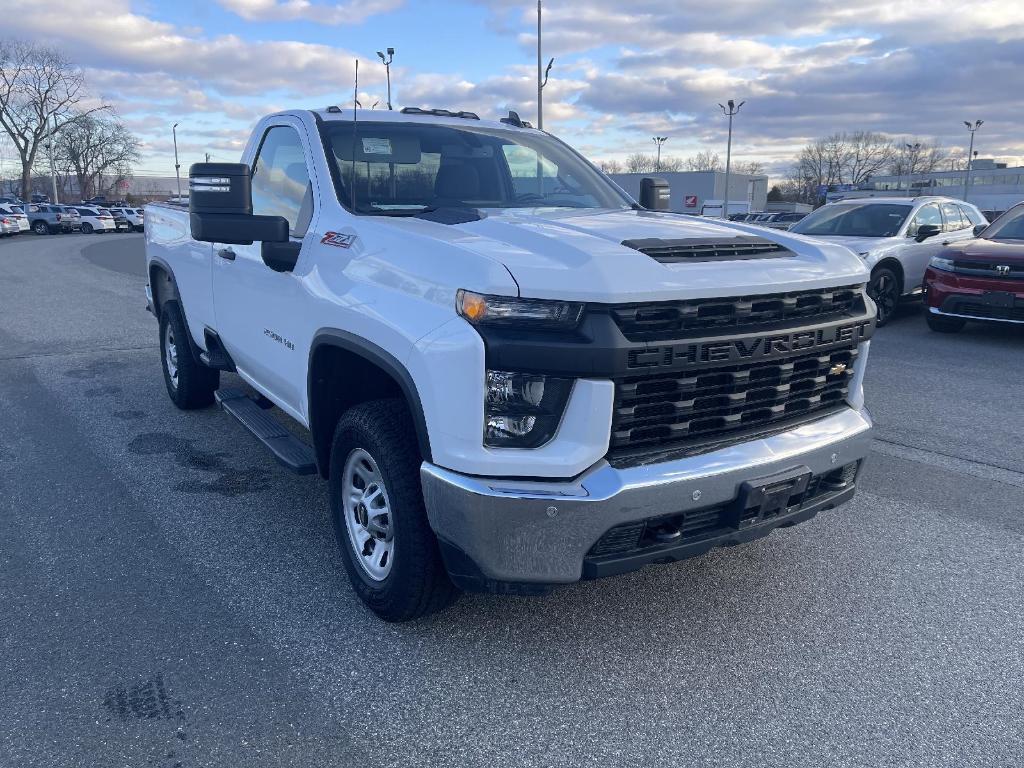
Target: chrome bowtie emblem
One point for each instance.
(836, 369)
(1003, 269)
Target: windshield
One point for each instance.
(406, 168)
(854, 220)
(1009, 226)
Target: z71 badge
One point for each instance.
(338, 240)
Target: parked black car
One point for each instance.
(121, 222)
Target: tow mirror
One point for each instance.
(220, 207)
(654, 194)
(927, 230)
(979, 228)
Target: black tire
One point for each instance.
(41, 228)
(417, 583)
(86, 228)
(194, 384)
(884, 288)
(944, 323)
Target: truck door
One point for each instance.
(259, 311)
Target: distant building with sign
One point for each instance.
(689, 190)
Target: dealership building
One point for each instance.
(689, 190)
(994, 186)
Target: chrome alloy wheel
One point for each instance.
(171, 356)
(368, 515)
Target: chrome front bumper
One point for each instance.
(501, 531)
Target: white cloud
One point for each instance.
(354, 12)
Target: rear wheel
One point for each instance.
(390, 553)
(944, 323)
(190, 384)
(884, 290)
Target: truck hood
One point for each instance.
(578, 255)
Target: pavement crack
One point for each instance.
(982, 469)
(94, 351)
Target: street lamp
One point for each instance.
(542, 80)
(913, 148)
(659, 140)
(387, 67)
(177, 166)
(732, 110)
(970, 154)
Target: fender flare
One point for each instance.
(382, 359)
(176, 296)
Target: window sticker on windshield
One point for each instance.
(376, 146)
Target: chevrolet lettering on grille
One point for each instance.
(750, 348)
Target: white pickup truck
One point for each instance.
(512, 375)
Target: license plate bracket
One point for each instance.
(1001, 299)
(763, 498)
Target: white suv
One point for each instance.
(896, 237)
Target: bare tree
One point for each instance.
(610, 166)
(39, 89)
(638, 162)
(866, 153)
(704, 161)
(98, 151)
(753, 168)
(671, 164)
(915, 156)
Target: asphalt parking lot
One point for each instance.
(170, 597)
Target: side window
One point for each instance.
(929, 214)
(954, 220)
(972, 214)
(280, 180)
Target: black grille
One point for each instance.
(674, 319)
(990, 312)
(708, 249)
(662, 411)
(683, 527)
(986, 269)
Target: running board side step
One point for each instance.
(289, 450)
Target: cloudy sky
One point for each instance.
(624, 71)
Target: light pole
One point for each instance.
(911, 157)
(53, 171)
(177, 167)
(387, 67)
(542, 78)
(970, 154)
(659, 140)
(733, 109)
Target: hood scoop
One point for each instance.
(692, 249)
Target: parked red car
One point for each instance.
(980, 279)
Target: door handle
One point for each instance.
(226, 253)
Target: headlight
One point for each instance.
(522, 410)
(946, 265)
(480, 309)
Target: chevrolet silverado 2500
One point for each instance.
(511, 374)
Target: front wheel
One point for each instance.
(884, 290)
(86, 228)
(41, 228)
(190, 384)
(945, 324)
(390, 553)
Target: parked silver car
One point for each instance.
(18, 214)
(896, 237)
